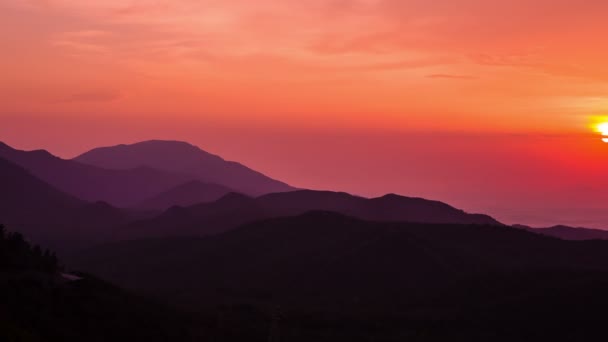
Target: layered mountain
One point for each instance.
(235, 209)
(323, 260)
(118, 187)
(27, 199)
(50, 216)
(390, 207)
(569, 233)
(183, 158)
(187, 194)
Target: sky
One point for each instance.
(488, 105)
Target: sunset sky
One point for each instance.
(488, 105)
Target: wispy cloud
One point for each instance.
(93, 96)
(452, 77)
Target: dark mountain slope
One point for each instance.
(24, 198)
(39, 303)
(183, 158)
(49, 216)
(326, 259)
(117, 187)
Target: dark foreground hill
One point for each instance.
(333, 260)
(235, 209)
(335, 278)
(40, 303)
(183, 158)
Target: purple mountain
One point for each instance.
(187, 194)
(390, 207)
(50, 216)
(118, 187)
(183, 158)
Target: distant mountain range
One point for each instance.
(117, 187)
(145, 174)
(184, 159)
(235, 209)
(50, 216)
(129, 175)
(569, 233)
(170, 220)
(187, 194)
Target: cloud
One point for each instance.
(94, 96)
(453, 77)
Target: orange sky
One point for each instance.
(332, 94)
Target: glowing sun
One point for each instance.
(603, 129)
(600, 125)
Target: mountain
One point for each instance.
(41, 303)
(26, 199)
(187, 194)
(49, 216)
(202, 219)
(118, 187)
(183, 158)
(569, 233)
(236, 209)
(390, 207)
(326, 261)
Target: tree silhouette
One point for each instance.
(16, 254)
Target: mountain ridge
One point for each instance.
(118, 187)
(235, 209)
(184, 158)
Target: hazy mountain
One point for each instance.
(183, 158)
(26, 199)
(202, 219)
(569, 233)
(187, 194)
(236, 209)
(49, 216)
(117, 187)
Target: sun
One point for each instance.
(599, 124)
(603, 128)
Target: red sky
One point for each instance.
(484, 104)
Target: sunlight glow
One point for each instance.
(603, 128)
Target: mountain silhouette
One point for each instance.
(183, 158)
(40, 302)
(49, 216)
(26, 199)
(236, 209)
(569, 233)
(325, 259)
(118, 187)
(186, 194)
(390, 207)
